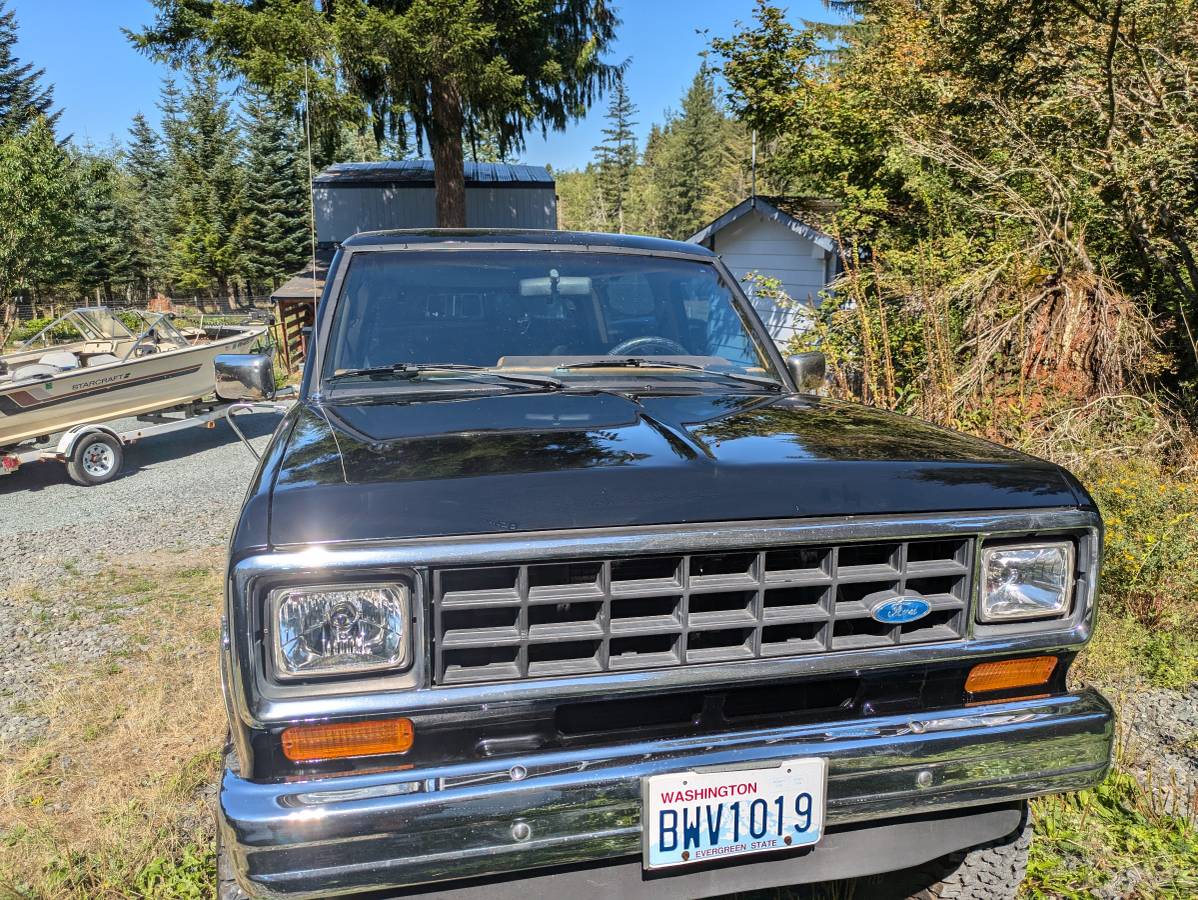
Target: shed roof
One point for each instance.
(309, 283)
(799, 214)
(419, 173)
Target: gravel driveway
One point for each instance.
(178, 492)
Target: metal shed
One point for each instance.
(777, 237)
(353, 197)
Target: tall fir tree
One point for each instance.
(443, 69)
(273, 230)
(205, 181)
(23, 96)
(694, 146)
(147, 206)
(616, 155)
(101, 252)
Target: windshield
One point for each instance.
(539, 310)
(96, 324)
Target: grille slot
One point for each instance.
(499, 623)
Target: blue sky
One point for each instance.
(100, 81)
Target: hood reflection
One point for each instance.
(602, 458)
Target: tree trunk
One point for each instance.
(445, 141)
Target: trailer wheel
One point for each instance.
(97, 458)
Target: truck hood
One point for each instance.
(527, 462)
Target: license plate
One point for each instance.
(693, 817)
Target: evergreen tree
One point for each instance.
(146, 205)
(444, 68)
(694, 167)
(616, 155)
(647, 197)
(693, 147)
(101, 252)
(274, 226)
(23, 97)
(205, 181)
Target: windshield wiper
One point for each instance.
(641, 362)
(415, 370)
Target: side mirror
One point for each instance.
(808, 371)
(245, 377)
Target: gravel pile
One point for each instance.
(1159, 742)
(177, 492)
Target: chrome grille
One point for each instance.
(533, 620)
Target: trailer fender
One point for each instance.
(66, 443)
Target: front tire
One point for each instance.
(97, 458)
(990, 871)
(227, 887)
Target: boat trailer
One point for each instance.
(93, 452)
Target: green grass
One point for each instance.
(187, 874)
(1126, 650)
(1117, 836)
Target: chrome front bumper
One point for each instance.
(393, 829)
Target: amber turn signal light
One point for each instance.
(1010, 673)
(309, 743)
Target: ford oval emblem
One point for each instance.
(900, 610)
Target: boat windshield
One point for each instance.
(102, 325)
(156, 325)
(578, 317)
(89, 324)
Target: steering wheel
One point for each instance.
(638, 345)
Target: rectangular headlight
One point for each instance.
(1026, 581)
(339, 629)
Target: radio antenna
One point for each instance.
(753, 167)
(311, 201)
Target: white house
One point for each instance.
(773, 237)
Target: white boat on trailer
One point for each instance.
(101, 370)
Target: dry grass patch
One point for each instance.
(115, 799)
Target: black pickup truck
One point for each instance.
(558, 580)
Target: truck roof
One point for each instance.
(531, 236)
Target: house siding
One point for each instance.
(755, 244)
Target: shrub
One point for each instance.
(1150, 570)
(27, 329)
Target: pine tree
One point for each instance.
(616, 154)
(695, 142)
(205, 181)
(693, 165)
(147, 206)
(274, 226)
(101, 252)
(442, 68)
(647, 198)
(23, 97)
